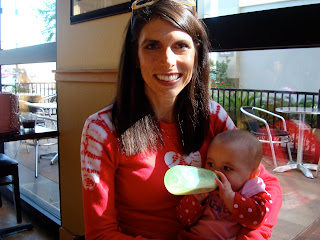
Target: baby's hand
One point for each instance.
(200, 197)
(225, 190)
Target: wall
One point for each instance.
(87, 59)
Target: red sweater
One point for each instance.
(125, 197)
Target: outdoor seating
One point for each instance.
(267, 134)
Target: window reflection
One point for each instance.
(278, 69)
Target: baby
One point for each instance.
(241, 199)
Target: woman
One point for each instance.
(161, 117)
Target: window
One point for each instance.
(28, 56)
(27, 23)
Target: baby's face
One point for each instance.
(231, 161)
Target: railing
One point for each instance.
(43, 89)
(232, 99)
(39, 88)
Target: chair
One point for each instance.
(266, 135)
(9, 167)
(35, 143)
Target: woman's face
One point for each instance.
(166, 56)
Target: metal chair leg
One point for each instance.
(318, 168)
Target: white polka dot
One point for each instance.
(270, 201)
(256, 202)
(262, 203)
(240, 216)
(262, 213)
(243, 199)
(193, 203)
(235, 206)
(249, 209)
(265, 220)
(267, 209)
(187, 210)
(255, 223)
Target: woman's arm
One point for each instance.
(98, 167)
(274, 189)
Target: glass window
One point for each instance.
(27, 22)
(215, 8)
(35, 82)
(32, 78)
(276, 69)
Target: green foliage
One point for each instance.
(219, 74)
(48, 15)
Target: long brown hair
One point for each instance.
(136, 126)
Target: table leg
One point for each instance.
(300, 139)
(54, 159)
(37, 158)
(304, 168)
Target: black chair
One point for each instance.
(266, 135)
(9, 167)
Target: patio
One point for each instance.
(300, 209)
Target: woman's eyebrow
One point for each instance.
(148, 41)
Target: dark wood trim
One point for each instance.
(99, 13)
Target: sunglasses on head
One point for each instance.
(143, 3)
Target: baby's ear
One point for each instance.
(255, 173)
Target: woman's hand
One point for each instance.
(225, 190)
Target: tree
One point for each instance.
(48, 15)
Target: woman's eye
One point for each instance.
(151, 46)
(183, 45)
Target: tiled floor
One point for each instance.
(301, 201)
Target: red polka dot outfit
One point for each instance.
(213, 220)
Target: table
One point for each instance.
(44, 106)
(37, 133)
(299, 165)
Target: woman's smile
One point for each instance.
(168, 78)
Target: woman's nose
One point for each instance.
(168, 58)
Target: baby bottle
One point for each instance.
(185, 180)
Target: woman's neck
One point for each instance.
(164, 110)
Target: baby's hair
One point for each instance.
(245, 140)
